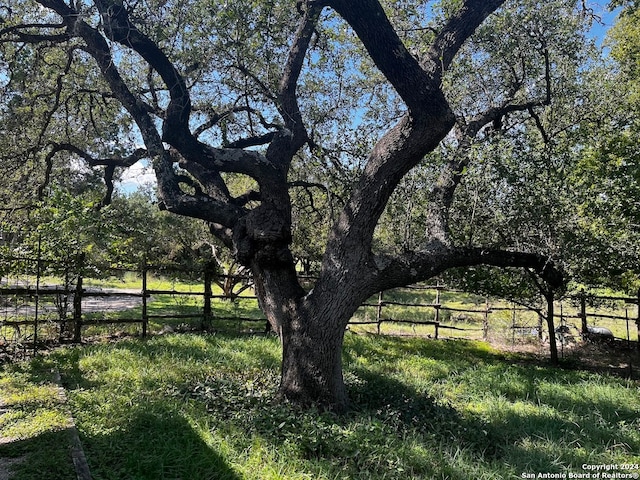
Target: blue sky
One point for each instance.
(608, 18)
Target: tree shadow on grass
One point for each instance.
(408, 411)
(156, 443)
(44, 456)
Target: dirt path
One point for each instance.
(116, 301)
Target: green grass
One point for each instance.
(133, 280)
(34, 424)
(200, 407)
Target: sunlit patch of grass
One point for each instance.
(21, 425)
(133, 280)
(32, 404)
(34, 424)
(20, 389)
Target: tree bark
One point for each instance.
(312, 365)
(311, 372)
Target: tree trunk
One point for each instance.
(311, 328)
(312, 347)
(312, 367)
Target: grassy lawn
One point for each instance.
(34, 424)
(200, 407)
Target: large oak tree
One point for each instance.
(211, 91)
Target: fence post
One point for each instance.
(63, 307)
(37, 307)
(583, 311)
(206, 313)
(553, 347)
(513, 324)
(485, 321)
(626, 315)
(77, 311)
(437, 305)
(77, 300)
(145, 317)
(562, 323)
(379, 310)
(540, 326)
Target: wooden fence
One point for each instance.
(72, 320)
(583, 315)
(437, 306)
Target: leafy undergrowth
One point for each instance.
(200, 407)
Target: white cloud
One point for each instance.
(140, 174)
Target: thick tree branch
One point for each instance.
(417, 266)
(287, 98)
(172, 197)
(124, 162)
(418, 87)
(98, 48)
(120, 29)
(286, 142)
(224, 234)
(175, 129)
(23, 33)
(210, 180)
(428, 121)
(252, 141)
(417, 84)
(109, 171)
(247, 197)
